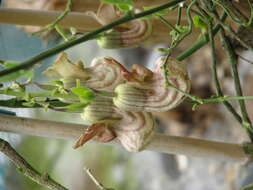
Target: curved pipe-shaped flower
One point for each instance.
(152, 95)
(133, 129)
(105, 73)
(126, 35)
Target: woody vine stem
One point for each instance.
(205, 17)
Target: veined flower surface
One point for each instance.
(126, 35)
(133, 129)
(105, 73)
(152, 95)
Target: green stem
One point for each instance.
(46, 94)
(57, 20)
(232, 11)
(233, 33)
(190, 22)
(203, 39)
(164, 21)
(234, 62)
(62, 32)
(179, 15)
(91, 35)
(17, 103)
(215, 76)
(222, 99)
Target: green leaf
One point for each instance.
(175, 35)
(45, 86)
(76, 106)
(199, 22)
(57, 82)
(125, 7)
(18, 74)
(28, 104)
(85, 95)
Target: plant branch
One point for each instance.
(179, 14)
(160, 143)
(93, 178)
(233, 59)
(203, 40)
(45, 94)
(232, 32)
(91, 35)
(27, 169)
(232, 11)
(215, 76)
(165, 22)
(58, 19)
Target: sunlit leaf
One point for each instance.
(199, 23)
(28, 104)
(85, 95)
(77, 106)
(57, 82)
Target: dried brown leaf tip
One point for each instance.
(127, 35)
(151, 94)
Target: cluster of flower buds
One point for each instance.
(124, 99)
(127, 35)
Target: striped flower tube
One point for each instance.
(133, 129)
(127, 35)
(152, 95)
(105, 73)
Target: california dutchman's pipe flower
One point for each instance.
(133, 129)
(152, 95)
(105, 73)
(126, 35)
(135, 94)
